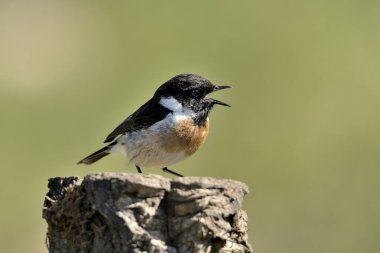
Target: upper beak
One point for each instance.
(221, 87)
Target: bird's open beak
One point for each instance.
(216, 88)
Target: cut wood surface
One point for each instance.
(120, 212)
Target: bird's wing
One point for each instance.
(148, 114)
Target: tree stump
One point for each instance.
(120, 212)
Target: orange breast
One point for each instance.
(187, 137)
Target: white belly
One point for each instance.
(144, 147)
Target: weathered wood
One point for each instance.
(119, 212)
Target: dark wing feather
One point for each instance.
(148, 114)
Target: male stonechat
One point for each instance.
(168, 128)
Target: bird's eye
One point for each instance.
(196, 93)
(183, 85)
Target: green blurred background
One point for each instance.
(303, 132)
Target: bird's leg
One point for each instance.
(138, 169)
(171, 172)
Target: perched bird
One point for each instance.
(168, 128)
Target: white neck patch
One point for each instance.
(176, 107)
(172, 104)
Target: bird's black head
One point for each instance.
(191, 91)
(187, 93)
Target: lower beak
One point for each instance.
(217, 102)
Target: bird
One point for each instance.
(168, 128)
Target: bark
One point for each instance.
(119, 212)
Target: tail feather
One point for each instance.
(96, 155)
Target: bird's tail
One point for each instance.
(97, 155)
